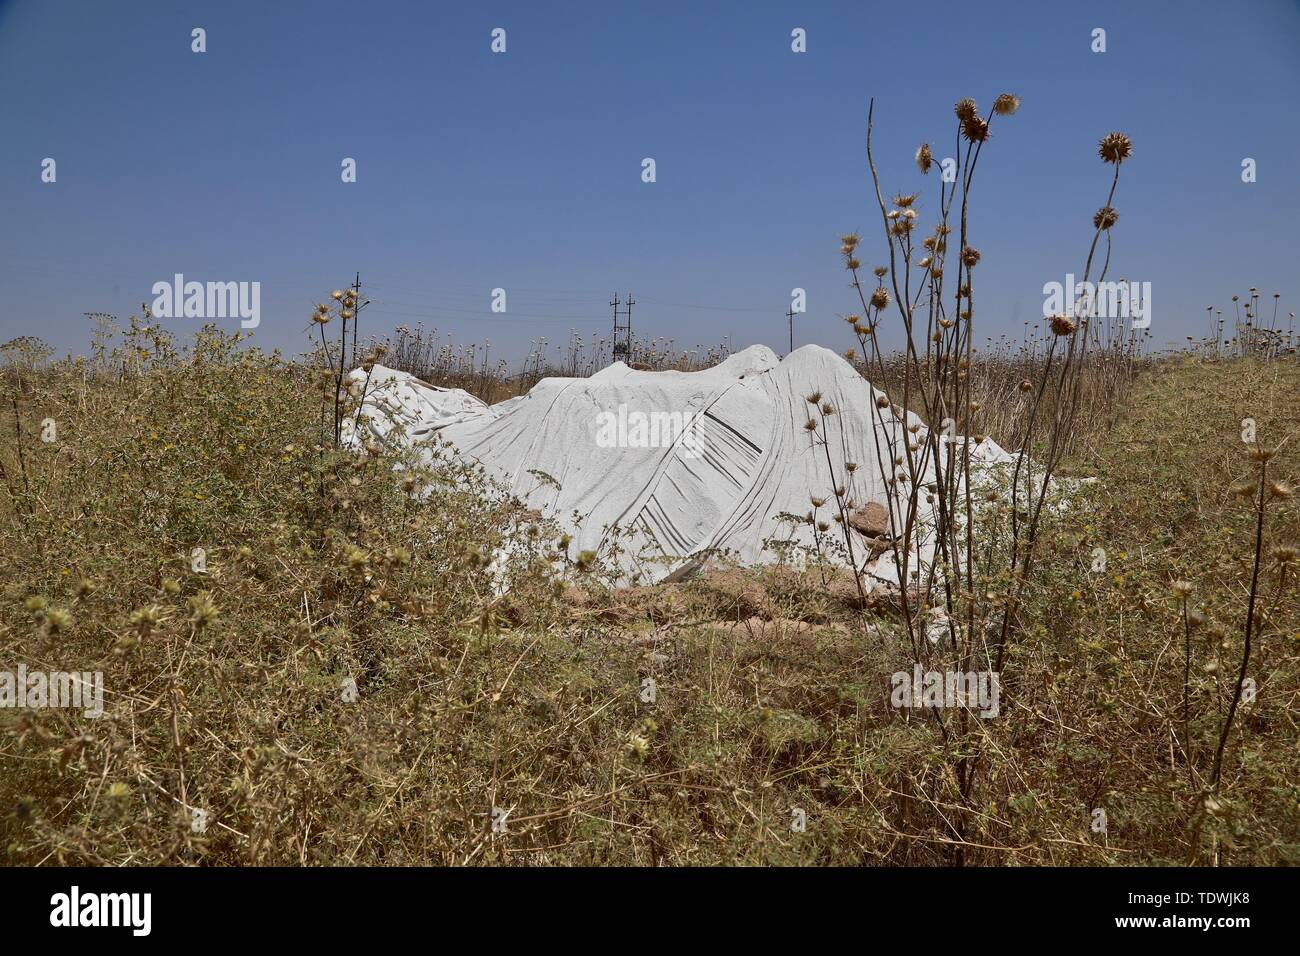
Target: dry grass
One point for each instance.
(771, 690)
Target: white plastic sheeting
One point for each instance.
(659, 470)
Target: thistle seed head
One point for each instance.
(1006, 104)
(1115, 148)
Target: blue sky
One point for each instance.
(523, 170)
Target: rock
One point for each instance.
(871, 520)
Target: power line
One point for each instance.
(712, 308)
(486, 316)
(482, 314)
(430, 310)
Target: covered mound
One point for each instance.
(657, 471)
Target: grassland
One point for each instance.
(230, 691)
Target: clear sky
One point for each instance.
(522, 170)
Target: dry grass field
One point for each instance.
(339, 682)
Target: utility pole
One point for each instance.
(356, 312)
(790, 316)
(623, 332)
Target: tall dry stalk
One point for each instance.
(932, 507)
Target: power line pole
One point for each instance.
(615, 302)
(356, 311)
(623, 332)
(790, 316)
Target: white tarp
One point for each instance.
(658, 470)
